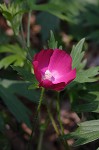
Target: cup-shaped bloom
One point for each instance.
(53, 69)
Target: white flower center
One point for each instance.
(48, 75)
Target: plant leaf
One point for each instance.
(87, 132)
(87, 75)
(17, 55)
(8, 91)
(21, 88)
(13, 14)
(77, 53)
(93, 102)
(27, 76)
(16, 107)
(90, 107)
(52, 43)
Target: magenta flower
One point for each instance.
(53, 69)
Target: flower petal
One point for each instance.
(46, 84)
(59, 86)
(67, 78)
(49, 85)
(43, 58)
(37, 71)
(60, 61)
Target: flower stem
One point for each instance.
(56, 128)
(59, 115)
(40, 140)
(35, 119)
(40, 101)
(53, 121)
(23, 38)
(66, 146)
(28, 30)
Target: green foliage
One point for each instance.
(77, 54)
(87, 75)
(51, 8)
(47, 22)
(21, 88)
(87, 20)
(2, 125)
(90, 107)
(8, 89)
(61, 9)
(16, 55)
(4, 143)
(28, 76)
(13, 14)
(52, 43)
(5, 39)
(90, 95)
(87, 132)
(15, 106)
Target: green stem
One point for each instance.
(59, 115)
(28, 37)
(28, 30)
(41, 98)
(53, 121)
(23, 38)
(66, 146)
(42, 129)
(40, 140)
(35, 119)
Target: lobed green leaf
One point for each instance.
(28, 76)
(52, 43)
(87, 132)
(77, 53)
(87, 75)
(16, 55)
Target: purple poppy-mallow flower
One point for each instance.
(53, 69)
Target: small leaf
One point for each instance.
(16, 55)
(60, 47)
(52, 43)
(5, 62)
(13, 14)
(77, 53)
